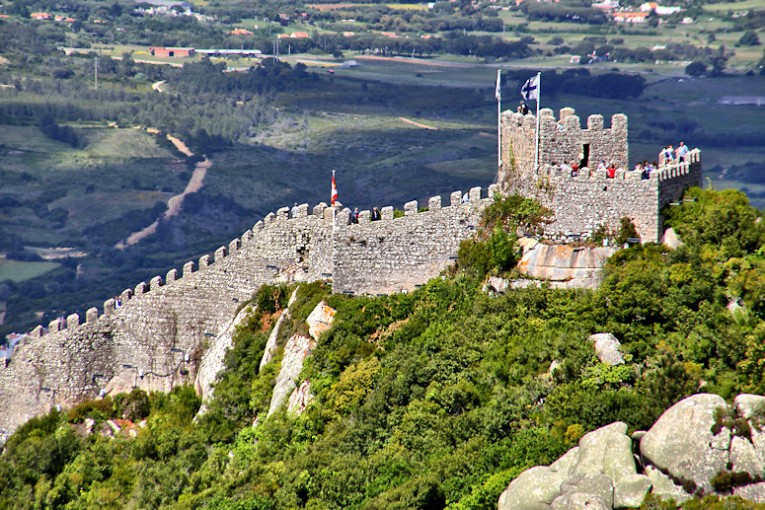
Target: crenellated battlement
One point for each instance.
(283, 216)
(142, 336)
(589, 200)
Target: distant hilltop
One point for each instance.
(143, 337)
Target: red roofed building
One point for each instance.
(40, 15)
(171, 52)
(630, 17)
(300, 35)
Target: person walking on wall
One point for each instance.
(375, 214)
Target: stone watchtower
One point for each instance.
(585, 202)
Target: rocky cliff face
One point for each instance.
(699, 446)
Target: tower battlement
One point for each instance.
(588, 201)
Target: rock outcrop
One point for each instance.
(320, 320)
(697, 447)
(212, 361)
(607, 348)
(682, 443)
(599, 473)
(670, 239)
(297, 349)
(565, 266)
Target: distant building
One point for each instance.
(660, 10)
(40, 16)
(171, 52)
(226, 52)
(666, 11)
(240, 31)
(606, 5)
(630, 17)
(300, 35)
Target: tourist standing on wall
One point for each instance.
(681, 151)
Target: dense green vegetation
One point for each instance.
(434, 399)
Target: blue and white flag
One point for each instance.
(530, 89)
(498, 87)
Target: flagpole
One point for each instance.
(334, 223)
(536, 145)
(499, 119)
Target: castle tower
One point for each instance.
(588, 201)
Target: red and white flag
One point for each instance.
(333, 198)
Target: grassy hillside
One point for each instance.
(435, 399)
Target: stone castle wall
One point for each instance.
(383, 257)
(583, 203)
(147, 335)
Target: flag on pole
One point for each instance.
(498, 88)
(333, 197)
(530, 89)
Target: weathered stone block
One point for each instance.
(155, 283)
(91, 315)
(595, 122)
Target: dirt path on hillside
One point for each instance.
(419, 125)
(175, 203)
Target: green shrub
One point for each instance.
(133, 406)
(626, 231)
(474, 257)
(98, 410)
